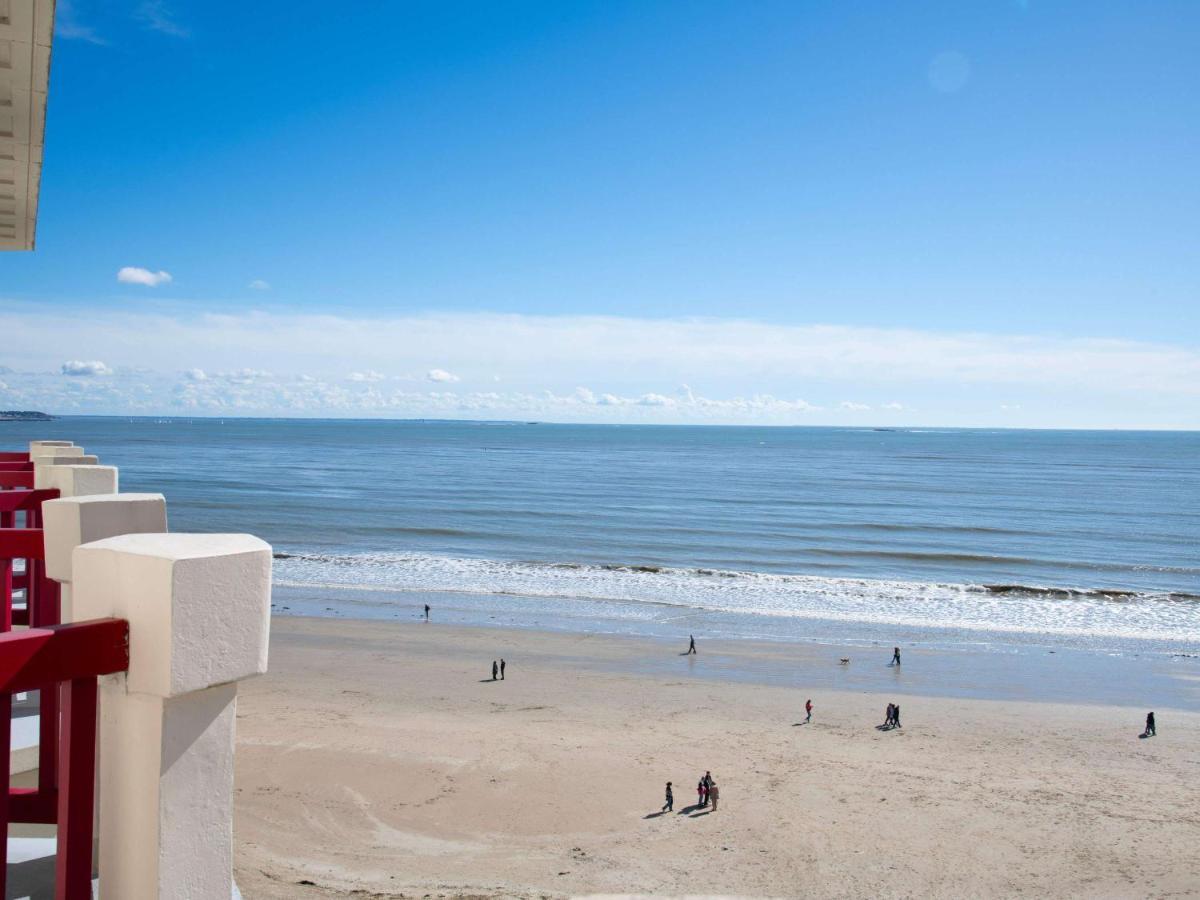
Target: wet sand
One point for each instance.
(379, 757)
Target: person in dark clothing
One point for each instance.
(1150, 730)
(669, 806)
(426, 612)
(895, 656)
(896, 715)
(691, 644)
(495, 670)
(808, 710)
(502, 664)
(889, 716)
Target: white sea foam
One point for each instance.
(1008, 608)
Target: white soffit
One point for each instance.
(26, 27)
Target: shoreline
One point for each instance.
(969, 665)
(380, 757)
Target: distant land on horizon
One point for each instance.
(24, 415)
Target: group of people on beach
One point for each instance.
(498, 670)
(892, 719)
(706, 792)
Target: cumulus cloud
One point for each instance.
(195, 375)
(259, 285)
(79, 367)
(655, 400)
(587, 368)
(368, 377)
(138, 275)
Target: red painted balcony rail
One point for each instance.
(16, 480)
(69, 657)
(41, 608)
(15, 466)
(11, 456)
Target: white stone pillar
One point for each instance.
(84, 459)
(35, 447)
(44, 452)
(76, 481)
(71, 521)
(198, 608)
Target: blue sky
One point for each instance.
(939, 213)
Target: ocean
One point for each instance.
(984, 539)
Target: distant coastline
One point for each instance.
(24, 415)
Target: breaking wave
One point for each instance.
(1170, 616)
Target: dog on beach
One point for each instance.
(844, 661)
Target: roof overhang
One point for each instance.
(26, 28)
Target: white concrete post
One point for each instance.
(198, 608)
(84, 459)
(71, 521)
(76, 481)
(35, 447)
(43, 452)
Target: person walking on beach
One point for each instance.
(896, 715)
(502, 664)
(890, 716)
(426, 612)
(1150, 730)
(702, 794)
(669, 806)
(495, 670)
(808, 710)
(691, 644)
(714, 794)
(895, 656)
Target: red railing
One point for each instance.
(26, 545)
(10, 456)
(68, 657)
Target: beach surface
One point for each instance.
(379, 758)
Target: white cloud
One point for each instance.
(243, 376)
(850, 406)
(81, 368)
(138, 275)
(157, 16)
(369, 377)
(590, 368)
(259, 285)
(894, 407)
(655, 400)
(196, 375)
(67, 25)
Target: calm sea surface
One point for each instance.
(1090, 539)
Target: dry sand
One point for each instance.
(373, 759)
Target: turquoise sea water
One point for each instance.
(996, 539)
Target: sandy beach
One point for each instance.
(378, 759)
